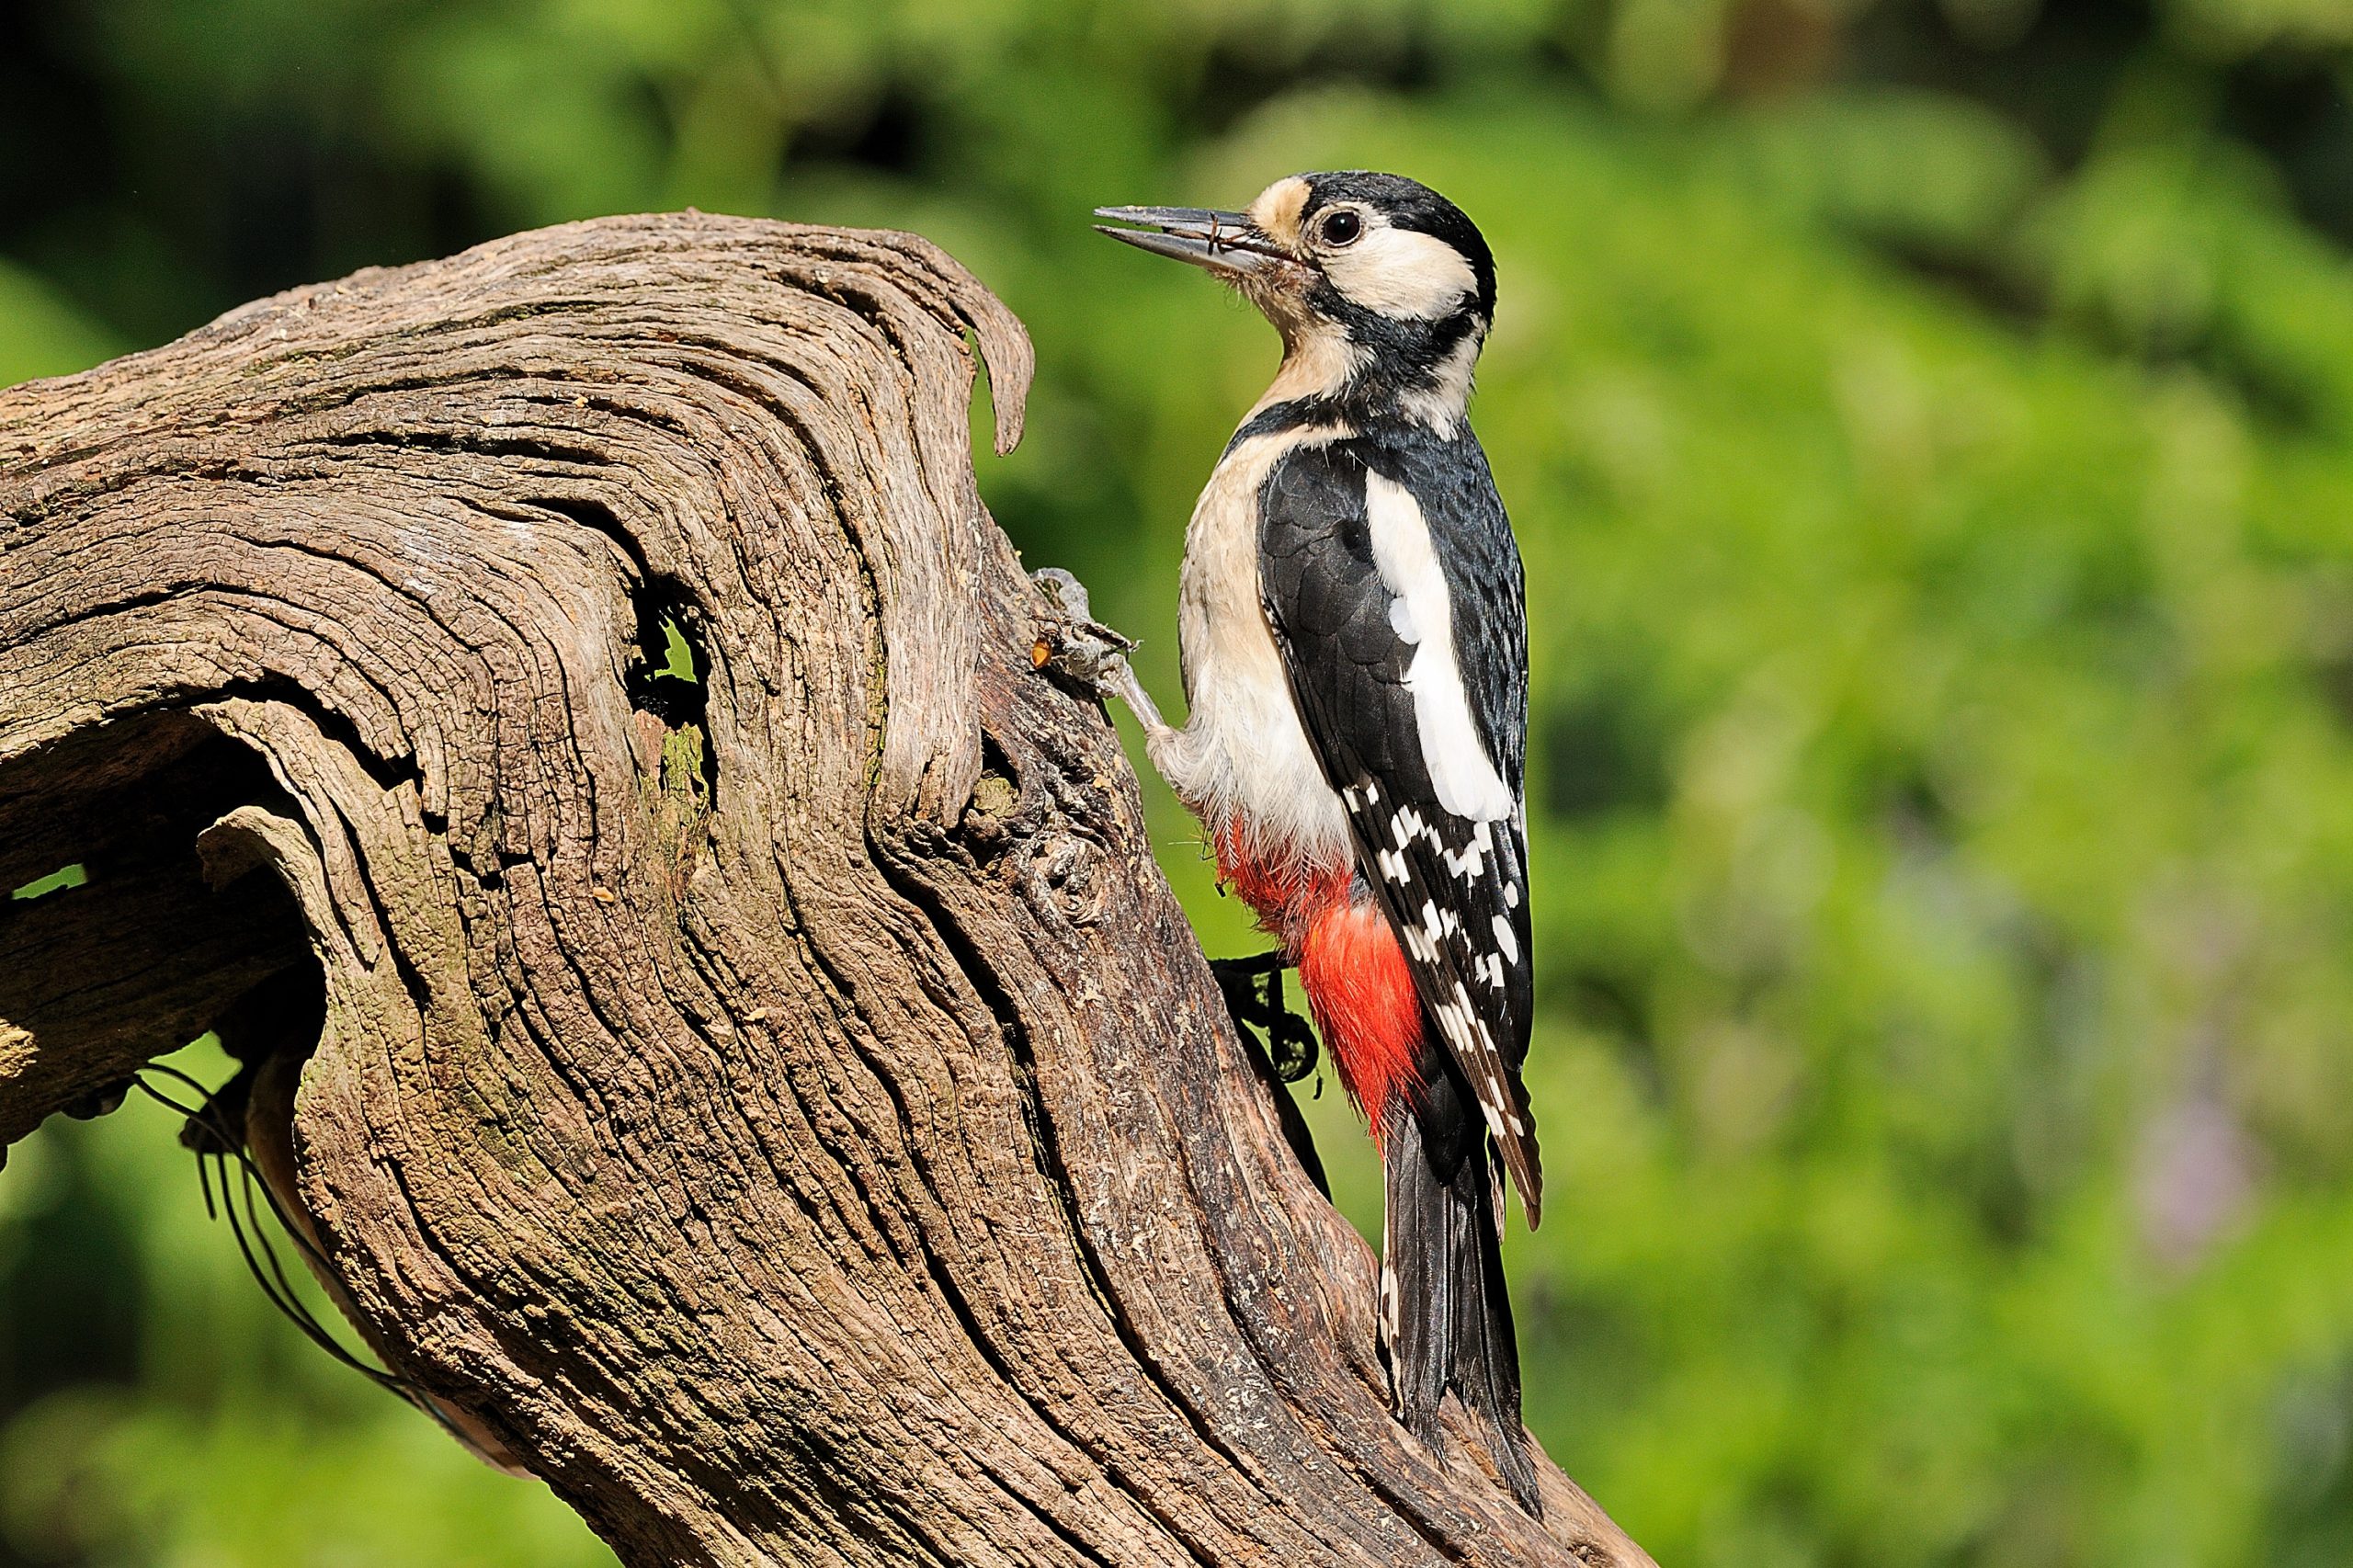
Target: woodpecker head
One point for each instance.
(1382, 290)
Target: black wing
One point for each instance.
(1454, 886)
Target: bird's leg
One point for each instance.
(1244, 981)
(1292, 1043)
(1073, 642)
(1254, 995)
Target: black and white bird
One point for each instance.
(1354, 643)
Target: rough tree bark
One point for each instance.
(795, 1115)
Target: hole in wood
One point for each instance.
(73, 876)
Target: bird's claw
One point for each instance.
(1070, 640)
(1254, 995)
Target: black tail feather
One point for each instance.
(1446, 1317)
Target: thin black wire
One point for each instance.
(203, 1169)
(261, 1236)
(252, 1240)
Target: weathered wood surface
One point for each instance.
(802, 1125)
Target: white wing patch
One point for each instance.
(1460, 769)
(1506, 943)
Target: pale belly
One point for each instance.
(1242, 762)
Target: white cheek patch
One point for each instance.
(1401, 272)
(1458, 767)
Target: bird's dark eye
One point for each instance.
(1342, 227)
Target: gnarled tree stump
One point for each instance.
(789, 1109)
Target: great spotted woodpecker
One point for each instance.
(1354, 643)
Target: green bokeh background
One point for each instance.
(1929, 427)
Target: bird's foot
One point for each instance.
(1073, 643)
(1254, 995)
(1072, 640)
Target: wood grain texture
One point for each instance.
(801, 1124)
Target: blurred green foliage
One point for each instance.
(1930, 431)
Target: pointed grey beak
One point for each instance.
(1227, 244)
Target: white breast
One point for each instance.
(1243, 758)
